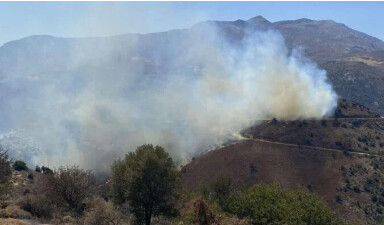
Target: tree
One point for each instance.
(5, 171)
(147, 179)
(70, 185)
(46, 170)
(19, 165)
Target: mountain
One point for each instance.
(338, 49)
(326, 40)
(359, 77)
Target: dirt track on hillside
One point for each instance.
(353, 152)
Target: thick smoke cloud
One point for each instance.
(188, 91)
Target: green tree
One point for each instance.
(148, 180)
(19, 165)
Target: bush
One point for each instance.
(46, 170)
(273, 205)
(19, 165)
(30, 176)
(101, 212)
(356, 189)
(38, 169)
(70, 186)
(38, 205)
(324, 123)
(338, 199)
(357, 123)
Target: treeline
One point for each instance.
(145, 188)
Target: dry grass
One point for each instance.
(11, 221)
(14, 211)
(101, 212)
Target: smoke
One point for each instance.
(187, 90)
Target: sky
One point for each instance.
(86, 19)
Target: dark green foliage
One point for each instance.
(339, 144)
(46, 170)
(30, 176)
(38, 206)
(19, 165)
(273, 205)
(148, 180)
(356, 189)
(346, 153)
(324, 123)
(357, 123)
(338, 199)
(252, 168)
(38, 169)
(5, 171)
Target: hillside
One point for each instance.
(331, 174)
(355, 128)
(337, 158)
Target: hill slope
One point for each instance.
(341, 159)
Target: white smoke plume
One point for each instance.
(192, 91)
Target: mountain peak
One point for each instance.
(258, 20)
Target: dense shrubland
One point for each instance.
(145, 188)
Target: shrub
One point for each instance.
(19, 165)
(324, 123)
(356, 189)
(46, 170)
(38, 205)
(38, 169)
(101, 212)
(30, 176)
(357, 123)
(339, 144)
(338, 199)
(273, 205)
(70, 186)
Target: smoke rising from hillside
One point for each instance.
(192, 91)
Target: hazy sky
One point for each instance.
(81, 19)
